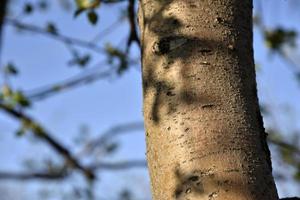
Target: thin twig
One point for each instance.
(42, 134)
(119, 165)
(285, 145)
(106, 31)
(62, 174)
(109, 134)
(46, 91)
(133, 36)
(63, 38)
(32, 176)
(86, 77)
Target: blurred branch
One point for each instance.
(65, 39)
(84, 78)
(283, 144)
(133, 36)
(110, 133)
(61, 174)
(106, 31)
(112, 1)
(32, 176)
(46, 91)
(118, 129)
(290, 62)
(279, 39)
(120, 165)
(40, 132)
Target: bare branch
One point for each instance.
(133, 36)
(119, 165)
(62, 174)
(32, 176)
(285, 145)
(40, 132)
(110, 133)
(88, 76)
(106, 31)
(63, 38)
(46, 91)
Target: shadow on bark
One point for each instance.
(187, 56)
(168, 47)
(166, 91)
(198, 184)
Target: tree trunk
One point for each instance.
(205, 136)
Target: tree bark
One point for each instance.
(204, 131)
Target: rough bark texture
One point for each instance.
(205, 137)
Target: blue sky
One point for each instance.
(116, 100)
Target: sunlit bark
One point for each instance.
(205, 137)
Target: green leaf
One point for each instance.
(51, 28)
(297, 175)
(82, 61)
(275, 39)
(6, 91)
(83, 5)
(92, 17)
(11, 69)
(20, 132)
(28, 8)
(78, 12)
(87, 4)
(20, 99)
(288, 156)
(111, 148)
(114, 53)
